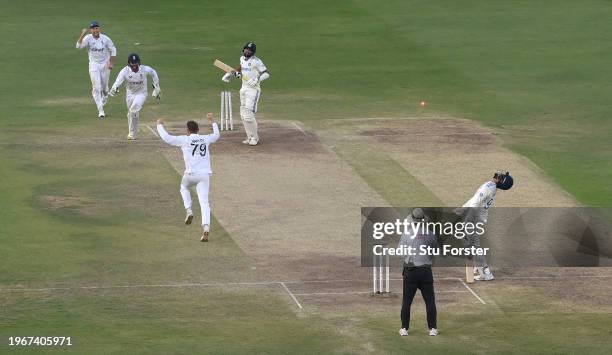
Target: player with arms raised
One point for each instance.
(253, 72)
(102, 54)
(196, 153)
(135, 77)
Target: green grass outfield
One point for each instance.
(537, 73)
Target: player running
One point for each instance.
(476, 210)
(196, 153)
(102, 54)
(253, 72)
(135, 76)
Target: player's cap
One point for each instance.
(94, 24)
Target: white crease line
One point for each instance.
(299, 128)
(152, 131)
(552, 277)
(142, 286)
(280, 282)
(360, 292)
(472, 291)
(353, 280)
(291, 294)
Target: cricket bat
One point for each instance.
(226, 68)
(469, 271)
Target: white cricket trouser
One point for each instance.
(201, 182)
(249, 99)
(134, 102)
(99, 75)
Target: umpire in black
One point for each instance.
(417, 274)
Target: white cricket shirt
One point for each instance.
(100, 49)
(251, 68)
(195, 147)
(136, 83)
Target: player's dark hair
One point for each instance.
(192, 126)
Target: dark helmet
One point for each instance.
(505, 180)
(133, 59)
(250, 46)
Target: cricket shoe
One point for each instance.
(131, 137)
(252, 141)
(433, 332)
(403, 332)
(101, 115)
(205, 234)
(246, 141)
(189, 217)
(484, 274)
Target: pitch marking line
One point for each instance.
(152, 130)
(472, 291)
(299, 128)
(292, 295)
(361, 292)
(283, 284)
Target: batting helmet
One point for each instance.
(505, 181)
(250, 46)
(133, 59)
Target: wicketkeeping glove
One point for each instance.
(156, 93)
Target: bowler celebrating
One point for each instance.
(102, 54)
(196, 153)
(253, 72)
(135, 76)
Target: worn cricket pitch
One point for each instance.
(292, 204)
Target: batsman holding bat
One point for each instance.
(252, 71)
(476, 210)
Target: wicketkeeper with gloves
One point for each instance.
(135, 76)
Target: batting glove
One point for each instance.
(226, 78)
(237, 74)
(114, 91)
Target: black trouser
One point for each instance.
(418, 278)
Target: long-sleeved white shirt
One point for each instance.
(136, 83)
(100, 49)
(195, 147)
(483, 199)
